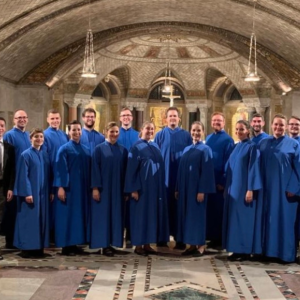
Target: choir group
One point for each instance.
(85, 188)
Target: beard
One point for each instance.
(90, 126)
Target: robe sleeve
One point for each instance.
(22, 182)
(96, 179)
(206, 170)
(227, 151)
(61, 171)
(132, 178)
(254, 176)
(293, 185)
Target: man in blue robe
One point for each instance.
(128, 136)
(221, 145)
(257, 124)
(19, 138)
(90, 137)
(280, 166)
(172, 140)
(72, 178)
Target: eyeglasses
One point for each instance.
(21, 118)
(294, 124)
(122, 116)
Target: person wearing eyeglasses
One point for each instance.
(257, 124)
(19, 138)
(128, 136)
(294, 128)
(90, 137)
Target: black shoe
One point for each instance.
(150, 251)
(162, 244)
(27, 254)
(68, 251)
(180, 246)
(198, 253)
(141, 252)
(239, 257)
(10, 247)
(189, 251)
(214, 244)
(108, 252)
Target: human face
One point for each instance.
(126, 118)
(217, 123)
(112, 134)
(294, 127)
(75, 132)
(54, 120)
(2, 128)
(173, 119)
(37, 140)
(20, 119)
(89, 120)
(196, 133)
(278, 127)
(257, 124)
(241, 131)
(147, 132)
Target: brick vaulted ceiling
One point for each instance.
(41, 38)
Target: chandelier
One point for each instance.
(252, 75)
(89, 70)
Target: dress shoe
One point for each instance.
(162, 244)
(189, 252)
(141, 252)
(68, 251)
(239, 257)
(10, 247)
(150, 251)
(108, 252)
(180, 246)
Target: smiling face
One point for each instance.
(196, 132)
(54, 120)
(278, 127)
(294, 127)
(241, 131)
(173, 119)
(75, 132)
(20, 120)
(89, 120)
(257, 124)
(112, 134)
(2, 128)
(126, 118)
(147, 132)
(37, 140)
(217, 123)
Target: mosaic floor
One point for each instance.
(128, 276)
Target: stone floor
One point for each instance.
(167, 276)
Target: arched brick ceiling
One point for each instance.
(35, 35)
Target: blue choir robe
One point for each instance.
(195, 175)
(72, 172)
(221, 145)
(145, 174)
(21, 141)
(53, 140)
(239, 220)
(172, 142)
(128, 137)
(280, 165)
(258, 138)
(298, 199)
(91, 139)
(32, 222)
(107, 215)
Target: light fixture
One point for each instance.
(252, 75)
(168, 82)
(89, 70)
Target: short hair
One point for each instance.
(294, 117)
(19, 110)
(2, 119)
(218, 113)
(172, 108)
(257, 115)
(90, 110)
(144, 125)
(111, 125)
(280, 116)
(34, 131)
(52, 111)
(75, 122)
(125, 108)
(198, 123)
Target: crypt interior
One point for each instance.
(202, 48)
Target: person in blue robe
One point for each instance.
(90, 137)
(195, 181)
(145, 177)
(280, 165)
(257, 124)
(32, 221)
(243, 180)
(221, 145)
(19, 138)
(54, 138)
(172, 140)
(107, 210)
(72, 178)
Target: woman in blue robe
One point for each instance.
(145, 177)
(240, 207)
(195, 181)
(72, 177)
(280, 165)
(32, 222)
(108, 175)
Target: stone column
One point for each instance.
(139, 115)
(73, 104)
(192, 109)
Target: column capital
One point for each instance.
(191, 107)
